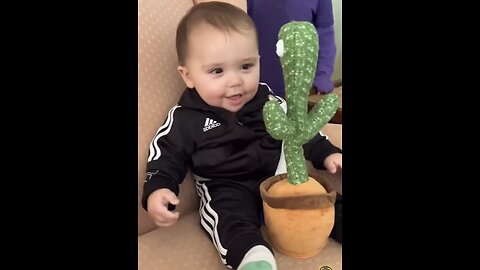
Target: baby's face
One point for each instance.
(223, 67)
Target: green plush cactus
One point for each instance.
(298, 51)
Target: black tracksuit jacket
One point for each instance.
(217, 145)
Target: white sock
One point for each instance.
(257, 254)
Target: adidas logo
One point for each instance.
(209, 124)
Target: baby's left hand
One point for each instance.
(332, 162)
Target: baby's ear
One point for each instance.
(185, 76)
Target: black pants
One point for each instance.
(231, 214)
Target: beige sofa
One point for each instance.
(184, 245)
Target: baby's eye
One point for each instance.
(280, 48)
(247, 66)
(216, 71)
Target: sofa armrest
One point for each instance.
(159, 84)
(334, 133)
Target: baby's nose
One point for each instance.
(234, 79)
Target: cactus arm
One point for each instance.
(321, 113)
(277, 123)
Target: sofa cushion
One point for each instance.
(186, 246)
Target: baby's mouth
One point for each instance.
(235, 97)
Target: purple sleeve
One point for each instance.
(326, 41)
(249, 7)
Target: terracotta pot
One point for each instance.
(298, 218)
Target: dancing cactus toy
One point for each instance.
(298, 207)
(298, 51)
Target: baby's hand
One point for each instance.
(332, 162)
(157, 207)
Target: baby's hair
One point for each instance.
(223, 16)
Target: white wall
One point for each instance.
(337, 16)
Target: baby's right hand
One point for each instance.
(157, 207)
